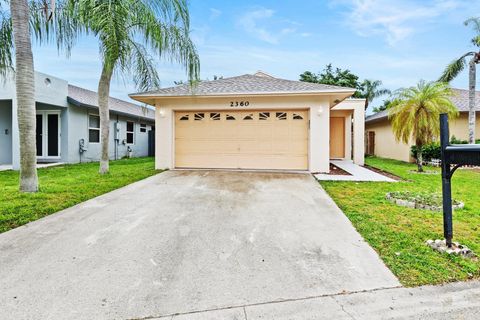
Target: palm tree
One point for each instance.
(128, 32)
(415, 114)
(25, 93)
(457, 66)
(371, 89)
(26, 18)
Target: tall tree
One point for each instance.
(371, 89)
(25, 94)
(415, 114)
(457, 66)
(129, 32)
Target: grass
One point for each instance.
(398, 234)
(64, 186)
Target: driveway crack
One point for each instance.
(343, 308)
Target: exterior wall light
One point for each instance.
(161, 112)
(320, 111)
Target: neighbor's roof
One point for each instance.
(260, 83)
(460, 100)
(86, 98)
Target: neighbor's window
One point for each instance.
(93, 129)
(143, 127)
(130, 132)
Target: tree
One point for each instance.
(457, 66)
(25, 94)
(415, 114)
(386, 104)
(371, 89)
(129, 31)
(368, 89)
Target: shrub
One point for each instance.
(429, 151)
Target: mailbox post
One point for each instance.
(453, 157)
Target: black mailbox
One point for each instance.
(453, 157)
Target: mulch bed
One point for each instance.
(336, 171)
(382, 172)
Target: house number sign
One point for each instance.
(235, 104)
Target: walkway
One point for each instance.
(6, 167)
(357, 173)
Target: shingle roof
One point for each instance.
(259, 83)
(460, 100)
(86, 98)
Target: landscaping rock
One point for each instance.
(456, 249)
(420, 201)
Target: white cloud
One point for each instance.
(262, 24)
(396, 20)
(215, 13)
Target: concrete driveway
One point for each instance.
(186, 241)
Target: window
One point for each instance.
(297, 117)
(93, 129)
(143, 127)
(184, 118)
(281, 115)
(264, 115)
(248, 117)
(199, 116)
(230, 117)
(214, 116)
(130, 132)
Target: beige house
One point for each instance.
(381, 142)
(256, 122)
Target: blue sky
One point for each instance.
(396, 41)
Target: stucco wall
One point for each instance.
(385, 144)
(5, 137)
(78, 129)
(319, 122)
(459, 126)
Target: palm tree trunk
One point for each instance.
(25, 87)
(471, 100)
(419, 158)
(103, 95)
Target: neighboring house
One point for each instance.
(256, 122)
(68, 116)
(381, 142)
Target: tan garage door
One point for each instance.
(244, 140)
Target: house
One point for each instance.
(381, 142)
(68, 125)
(256, 122)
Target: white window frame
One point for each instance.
(143, 126)
(45, 114)
(93, 128)
(127, 132)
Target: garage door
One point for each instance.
(243, 140)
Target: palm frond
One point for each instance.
(454, 68)
(6, 40)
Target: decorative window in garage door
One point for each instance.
(248, 117)
(264, 115)
(297, 116)
(199, 116)
(184, 118)
(281, 115)
(230, 117)
(214, 116)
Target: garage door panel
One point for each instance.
(242, 139)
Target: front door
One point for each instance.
(48, 134)
(337, 138)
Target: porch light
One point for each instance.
(161, 112)
(320, 111)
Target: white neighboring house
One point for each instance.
(68, 122)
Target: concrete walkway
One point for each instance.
(186, 241)
(452, 301)
(6, 167)
(358, 173)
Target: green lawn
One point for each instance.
(64, 186)
(398, 234)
